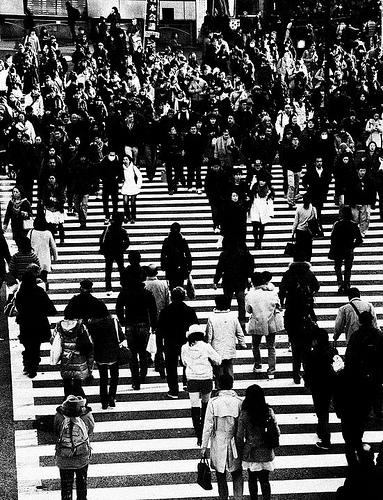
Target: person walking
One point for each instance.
(114, 241)
(176, 258)
(130, 188)
(223, 330)
(133, 269)
(173, 323)
(293, 162)
(137, 311)
(110, 173)
(321, 380)
(18, 211)
(84, 305)
(33, 308)
(297, 288)
(345, 236)
(21, 260)
(301, 231)
(76, 360)
(193, 148)
(261, 207)
(73, 426)
(220, 427)
(84, 182)
(348, 318)
(52, 202)
(235, 267)
(262, 303)
(44, 246)
(255, 446)
(171, 153)
(198, 357)
(5, 258)
(361, 196)
(106, 337)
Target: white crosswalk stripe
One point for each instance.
(144, 449)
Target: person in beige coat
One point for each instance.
(223, 329)
(44, 246)
(220, 428)
(262, 302)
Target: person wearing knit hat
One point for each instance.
(73, 426)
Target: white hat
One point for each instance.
(194, 329)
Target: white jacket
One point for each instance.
(198, 359)
(261, 303)
(222, 330)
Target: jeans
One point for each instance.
(130, 207)
(67, 478)
(270, 343)
(194, 172)
(137, 337)
(347, 261)
(240, 296)
(361, 215)
(109, 259)
(322, 399)
(226, 367)
(73, 386)
(113, 370)
(172, 355)
(109, 190)
(293, 179)
(80, 202)
(223, 490)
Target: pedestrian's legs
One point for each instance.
(321, 400)
(240, 296)
(83, 208)
(126, 207)
(256, 341)
(120, 264)
(270, 343)
(171, 364)
(348, 261)
(338, 271)
(169, 176)
(364, 219)
(114, 372)
(223, 490)
(263, 476)
(31, 355)
(81, 483)
(198, 181)
(191, 173)
(108, 271)
(297, 178)
(66, 479)
(237, 484)
(105, 201)
(133, 206)
(256, 226)
(253, 485)
(228, 294)
(196, 415)
(114, 194)
(61, 232)
(103, 370)
(290, 187)
(296, 351)
(356, 214)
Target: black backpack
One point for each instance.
(369, 361)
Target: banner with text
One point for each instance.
(152, 17)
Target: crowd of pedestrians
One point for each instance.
(103, 124)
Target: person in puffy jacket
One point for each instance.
(198, 357)
(222, 331)
(255, 446)
(76, 355)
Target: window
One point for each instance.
(53, 7)
(167, 15)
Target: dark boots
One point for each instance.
(196, 417)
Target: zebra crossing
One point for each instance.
(144, 448)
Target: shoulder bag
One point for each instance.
(313, 224)
(204, 474)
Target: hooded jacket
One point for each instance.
(198, 359)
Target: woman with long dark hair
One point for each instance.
(301, 231)
(33, 307)
(18, 210)
(257, 435)
(198, 357)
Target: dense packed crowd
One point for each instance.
(115, 112)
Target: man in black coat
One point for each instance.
(293, 161)
(173, 323)
(296, 291)
(235, 267)
(85, 305)
(193, 150)
(110, 172)
(316, 181)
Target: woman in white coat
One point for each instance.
(198, 356)
(262, 302)
(220, 428)
(44, 246)
(130, 188)
(262, 207)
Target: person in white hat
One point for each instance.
(198, 357)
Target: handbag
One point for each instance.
(337, 363)
(290, 249)
(56, 350)
(10, 309)
(124, 353)
(204, 474)
(28, 224)
(152, 346)
(276, 323)
(190, 290)
(313, 225)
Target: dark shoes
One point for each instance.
(136, 387)
(297, 380)
(322, 445)
(112, 402)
